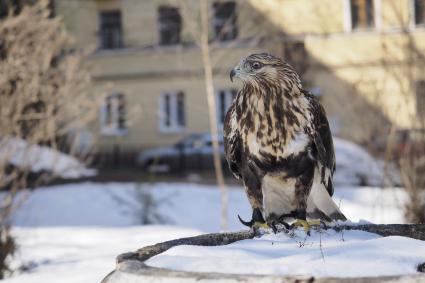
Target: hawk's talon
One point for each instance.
(246, 223)
(254, 224)
(273, 226)
(306, 224)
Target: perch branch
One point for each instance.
(415, 231)
(214, 239)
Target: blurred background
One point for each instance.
(111, 118)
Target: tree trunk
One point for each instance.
(212, 113)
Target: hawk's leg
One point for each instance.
(302, 222)
(257, 220)
(302, 190)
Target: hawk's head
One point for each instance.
(265, 70)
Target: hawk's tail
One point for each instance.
(320, 205)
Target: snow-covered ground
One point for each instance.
(324, 254)
(181, 204)
(72, 233)
(82, 254)
(36, 158)
(355, 165)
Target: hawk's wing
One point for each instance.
(232, 141)
(323, 143)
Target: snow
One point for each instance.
(82, 254)
(354, 165)
(324, 254)
(41, 158)
(116, 204)
(75, 231)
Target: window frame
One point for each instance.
(161, 29)
(295, 53)
(234, 29)
(412, 16)
(174, 125)
(118, 29)
(377, 18)
(113, 128)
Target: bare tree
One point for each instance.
(43, 98)
(213, 54)
(208, 76)
(406, 147)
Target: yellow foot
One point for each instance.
(258, 225)
(306, 224)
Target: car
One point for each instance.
(354, 165)
(194, 152)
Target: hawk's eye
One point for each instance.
(256, 65)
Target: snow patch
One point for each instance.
(324, 254)
(355, 166)
(37, 158)
(116, 204)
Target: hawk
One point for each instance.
(278, 142)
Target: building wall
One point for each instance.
(143, 87)
(374, 69)
(355, 70)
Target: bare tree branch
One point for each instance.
(44, 104)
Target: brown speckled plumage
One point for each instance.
(277, 139)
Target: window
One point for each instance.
(296, 55)
(172, 112)
(113, 115)
(420, 98)
(170, 24)
(418, 12)
(362, 14)
(224, 100)
(110, 30)
(224, 22)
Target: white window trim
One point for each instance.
(112, 129)
(174, 127)
(412, 16)
(377, 17)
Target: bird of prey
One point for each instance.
(278, 142)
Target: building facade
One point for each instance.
(364, 58)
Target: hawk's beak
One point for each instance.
(232, 74)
